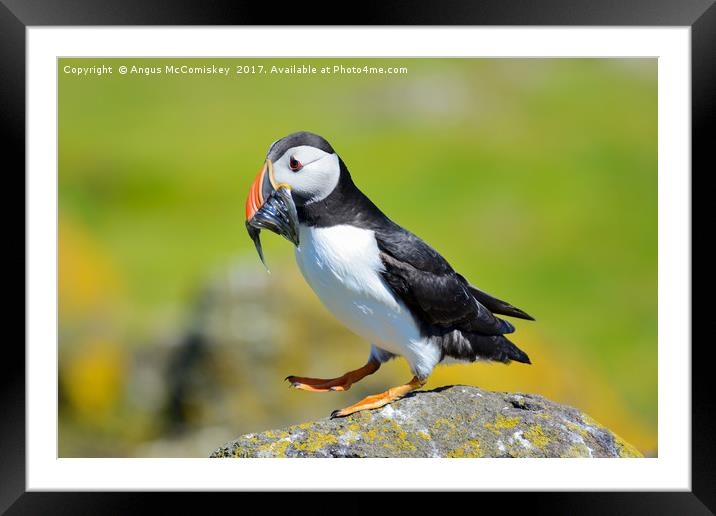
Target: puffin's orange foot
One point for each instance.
(378, 400)
(319, 384)
(342, 383)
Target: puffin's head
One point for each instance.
(300, 168)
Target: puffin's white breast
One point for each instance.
(343, 266)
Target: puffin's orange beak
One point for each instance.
(270, 206)
(255, 199)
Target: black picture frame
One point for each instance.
(17, 15)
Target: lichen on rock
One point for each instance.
(457, 421)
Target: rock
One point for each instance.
(456, 421)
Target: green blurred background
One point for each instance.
(535, 178)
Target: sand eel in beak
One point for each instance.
(383, 282)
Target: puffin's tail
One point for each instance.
(498, 348)
(473, 346)
(498, 306)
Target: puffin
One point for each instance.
(380, 280)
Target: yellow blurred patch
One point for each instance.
(93, 379)
(87, 279)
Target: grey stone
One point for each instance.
(456, 421)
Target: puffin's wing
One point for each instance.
(430, 288)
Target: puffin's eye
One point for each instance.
(294, 164)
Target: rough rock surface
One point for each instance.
(457, 421)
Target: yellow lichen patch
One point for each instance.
(349, 437)
(502, 423)
(399, 439)
(370, 435)
(439, 423)
(443, 421)
(402, 434)
(457, 453)
(577, 450)
(506, 422)
(276, 434)
(364, 416)
(423, 435)
(315, 442)
(400, 446)
(470, 449)
(275, 449)
(576, 428)
(536, 436)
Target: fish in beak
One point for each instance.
(270, 206)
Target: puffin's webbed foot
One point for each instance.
(342, 383)
(378, 400)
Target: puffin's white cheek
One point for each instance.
(317, 185)
(285, 177)
(305, 184)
